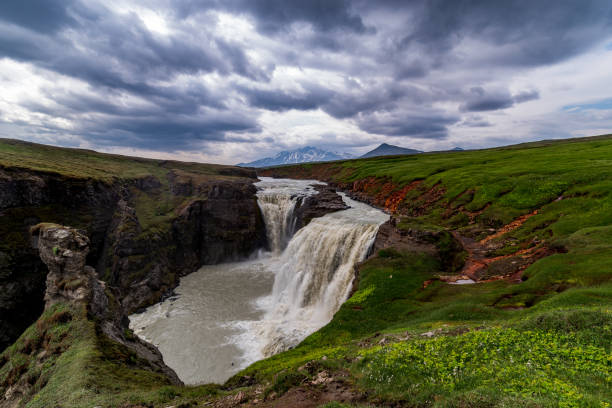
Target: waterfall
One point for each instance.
(277, 201)
(314, 272)
(228, 316)
(277, 210)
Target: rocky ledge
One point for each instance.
(64, 250)
(391, 236)
(327, 200)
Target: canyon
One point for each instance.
(270, 287)
(227, 316)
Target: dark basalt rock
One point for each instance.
(221, 223)
(218, 221)
(442, 244)
(28, 198)
(390, 236)
(326, 201)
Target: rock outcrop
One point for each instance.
(222, 222)
(64, 250)
(69, 280)
(440, 243)
(26, 199)
(326, 201)
(391, 236)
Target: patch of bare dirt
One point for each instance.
(510, 227)
(482, 268)
(322, 388)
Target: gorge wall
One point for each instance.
(144, 232)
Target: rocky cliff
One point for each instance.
(216, 220)
(326, 201)
(27, 198)
(144, 232)
(80, 311)
(64, 251)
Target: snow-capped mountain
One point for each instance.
(303, 155)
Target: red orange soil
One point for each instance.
(510, 227)
(512, 265)
(381, 193)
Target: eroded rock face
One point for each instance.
(69, 280)
(390, 236)
(317, 205)
(64, 250)
(26, 199)
(219, 221)
(441, 243)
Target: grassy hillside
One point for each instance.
(155, 206)
(81, 163)
(541, 340)
(535, 331)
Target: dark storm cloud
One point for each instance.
(355, 98)
(273, 16)
(480, 100)
(533, 32)
(39, 15)
(180, 132)
(389, 62)
(279, 101)
(475, 121)
(119, 52)
(324, 15)
(117, 56)
(427, 125)
(526, 96)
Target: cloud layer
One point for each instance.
(235, 79)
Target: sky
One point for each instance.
(229, 81)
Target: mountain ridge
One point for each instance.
(303, 155)
(385, 149)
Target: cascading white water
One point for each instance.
(230, 315)
(277, 210)
(277, 201)
(314, 275)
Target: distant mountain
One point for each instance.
(389, 150)
(303, 155)
(456, 149)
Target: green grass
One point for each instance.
(543, 342)
(555, 353)
(52, 352)
(542, 367)
(512, 180)
(68, 363)
(81, 163)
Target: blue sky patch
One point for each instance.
(604, 104)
